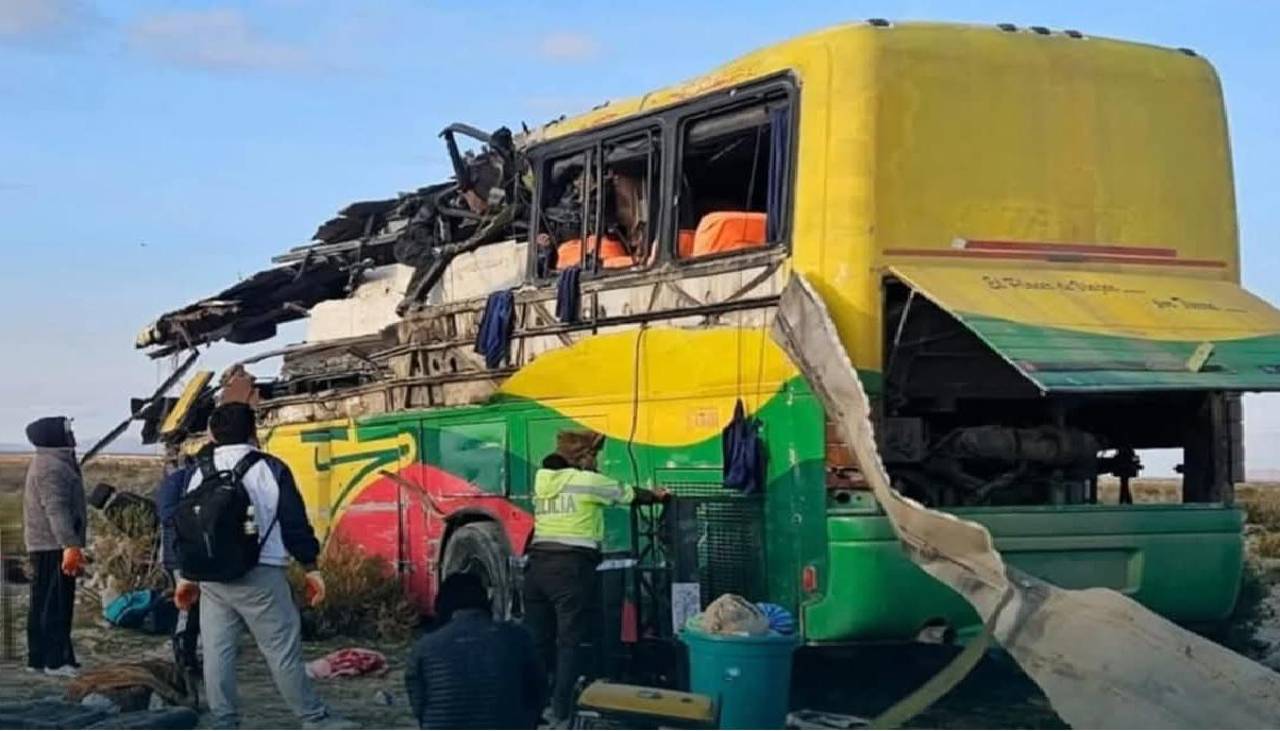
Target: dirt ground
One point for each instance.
(363, 700)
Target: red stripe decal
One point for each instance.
(1068, 248)
(1050, 257)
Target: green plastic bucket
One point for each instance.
(748, 677)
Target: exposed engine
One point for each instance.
(994, 465)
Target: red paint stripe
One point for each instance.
(1049, 257)
(1068, 248)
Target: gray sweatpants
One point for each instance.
(261, 601)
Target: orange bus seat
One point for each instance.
(617, 262)
(684, 243)
(722, 231)
(570, 252)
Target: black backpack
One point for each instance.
(212, 521)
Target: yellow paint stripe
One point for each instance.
(189, 395)
(689, 380)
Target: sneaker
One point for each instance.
(66, 671)
(330, 721)
(33, 671)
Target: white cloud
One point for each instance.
(43, 20)
(568, 47)
(218, 39)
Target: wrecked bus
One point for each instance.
(1027, 242)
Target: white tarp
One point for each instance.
(1103, 660)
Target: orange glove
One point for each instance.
(72, 560)
(185, 596)
(314, 589)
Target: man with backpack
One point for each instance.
(237, 524)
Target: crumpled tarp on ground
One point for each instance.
(1103, 660)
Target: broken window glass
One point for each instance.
(598, 205)
(564, 204)
(733, 179)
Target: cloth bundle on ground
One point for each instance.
(147, 610)
(348, 662)
(130, 685)
(730, 614)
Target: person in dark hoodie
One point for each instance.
(54, 522)
(474, 672)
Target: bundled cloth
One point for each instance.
(780, 620)
(347, 663)
(493, 337)
(732, 615)
(130, 685)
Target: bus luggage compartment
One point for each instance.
(1182, 561)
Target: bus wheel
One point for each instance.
(481, 549)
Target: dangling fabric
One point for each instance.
(743, 452)
(569, 295)
(779, 138)
(493, 337)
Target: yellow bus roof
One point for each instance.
(944, 37)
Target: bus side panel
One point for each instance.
(1181, 561)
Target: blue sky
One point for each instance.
(150, 153)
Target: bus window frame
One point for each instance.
(669, 122)
(595, 142)
(783, 90)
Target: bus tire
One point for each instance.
(481, 549)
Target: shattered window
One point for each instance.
(733, 179)
(631, 179)
(598, 207)
(564, 206)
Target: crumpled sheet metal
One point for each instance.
(1103, 660)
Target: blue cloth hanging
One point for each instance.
(493, 337)
(743, 452)
(569, 295)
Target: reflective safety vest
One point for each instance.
(568, 506)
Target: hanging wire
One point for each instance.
(635, 405)
(751, 189)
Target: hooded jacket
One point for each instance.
(53, 505)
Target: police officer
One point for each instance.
(560, 578)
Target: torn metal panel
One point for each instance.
(250, 310)
(1103, 660)
(425, 230)
(427, 359)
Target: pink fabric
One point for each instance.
(348, 662)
